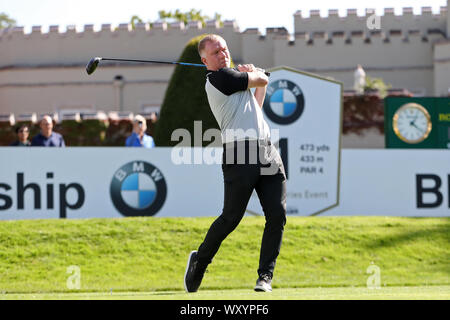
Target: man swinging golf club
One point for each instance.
(238, 111)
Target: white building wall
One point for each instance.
(44, 72)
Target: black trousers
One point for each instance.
(265, 174)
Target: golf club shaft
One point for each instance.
(154, 61)
(165, 62)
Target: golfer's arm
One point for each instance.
(260, 94)
(257, 79)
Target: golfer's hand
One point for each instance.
(246, 68)
(249, 68)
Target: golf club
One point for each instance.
(93, 63)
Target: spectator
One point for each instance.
(138, 137)
(47, 138)
(23, 133)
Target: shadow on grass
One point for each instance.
(439, 234)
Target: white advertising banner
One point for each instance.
(307, 112)
(38, 183)
(394, 182)
(104, 182)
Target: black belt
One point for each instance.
(259, 142)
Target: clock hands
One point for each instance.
(413, 124)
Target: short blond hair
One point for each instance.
(207, 38)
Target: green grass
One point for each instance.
(148, 255)
(333, 293)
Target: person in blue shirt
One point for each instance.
(47, 138)
(138, 137)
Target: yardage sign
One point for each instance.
(307, 111)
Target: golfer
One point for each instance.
(245, 134)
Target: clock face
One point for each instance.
(412, 123)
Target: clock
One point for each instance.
(412, 123)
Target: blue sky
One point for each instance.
(248, 14)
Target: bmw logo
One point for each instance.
(138, 189)
(284, 102)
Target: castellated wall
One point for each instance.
(162, 42)
(388, 21)
(44, 71)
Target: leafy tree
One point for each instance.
(377, 85)
(6, 21)
(178, 15)
(191, 15)
(135, 19)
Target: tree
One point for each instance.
(6, 21)
(177, 15)
(135, 19)
(377, 85)
(192, 15)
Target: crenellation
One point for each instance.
(334, 31)
(251, 31)
(389, 12)
(88, 28)
(159, 25)
(407, 11)
(71, 31)
(401, 50)
(54, 29)
(215, 24)
(426, 11)
(231, 24)
(141, 27)
(36, 29)
(280, 31)
(17, 31)
(333, 13)
(179, 25)
(314, 26)
(314, 13)
(195, 25)
(106, 27)
(124, 27)
(309, 37)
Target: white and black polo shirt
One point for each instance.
(234, 106)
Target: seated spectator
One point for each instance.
(22, 132)
(138, 137)
(47, 138)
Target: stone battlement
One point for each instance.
(388, 21)
(409, 33)
(158, 40)
(406, 11)
(150, 28)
